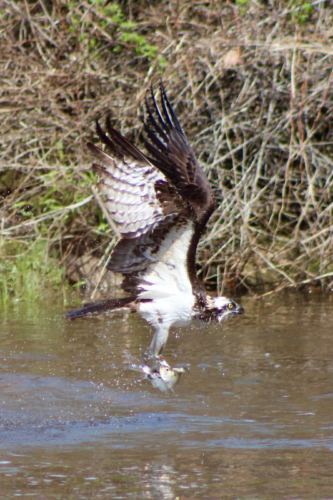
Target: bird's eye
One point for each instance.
(231, 306)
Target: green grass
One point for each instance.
(27, 272)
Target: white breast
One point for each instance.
(167, 283)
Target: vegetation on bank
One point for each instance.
(252, 85)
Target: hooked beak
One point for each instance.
(238, 310)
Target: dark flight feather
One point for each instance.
(100, 307)
(172, 154)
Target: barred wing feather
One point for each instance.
(142, 202)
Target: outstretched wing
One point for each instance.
(156, 223)
(173, 156)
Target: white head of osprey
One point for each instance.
(160, 202)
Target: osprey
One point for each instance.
(161, 203)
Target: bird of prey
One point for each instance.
(160, 202)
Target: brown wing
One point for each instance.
(173, 156)
(142, 202)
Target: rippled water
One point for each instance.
(253, 419)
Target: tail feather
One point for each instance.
(101, 307)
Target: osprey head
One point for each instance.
(225, 307)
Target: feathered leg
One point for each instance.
(159, 340)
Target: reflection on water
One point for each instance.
(252, 418)
(161, 375)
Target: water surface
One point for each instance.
(251, 420)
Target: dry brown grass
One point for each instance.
(252, 86)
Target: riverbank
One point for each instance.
(252, 87)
